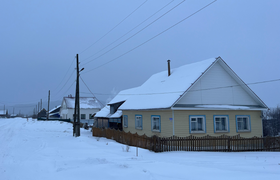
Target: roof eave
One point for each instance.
(148, 109)
(216, 109)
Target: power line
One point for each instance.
(131, 29)
(65, 74)
(136, 33)
(90, 91)
(114, 27)
(69, 87)
(221, 87)
(152, 37)
(65, 83)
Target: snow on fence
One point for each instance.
(191, 143)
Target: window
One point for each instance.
(221, 124)
(125, 121)
(91, 116)
(197, 124)
(138, 121)
(156, 123)
(243, 123)
(83, 116)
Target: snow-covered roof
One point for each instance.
(3, 112)
(123, 95)
(56, 107)
(117, 114)
(85, 103)
(161, 90)
(105, 112)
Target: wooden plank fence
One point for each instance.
(191, 143)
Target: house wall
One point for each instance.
(208, 90)
(68, 113)
(181, 122)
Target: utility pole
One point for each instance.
(41, 104)
(48, 113)
(76, 123)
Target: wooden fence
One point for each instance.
(191, 143)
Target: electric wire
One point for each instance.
(136, 32)
(65, 83)
(253, 83)
(91, 92)
(130, 30)
(152, 37)
(65, 74)
(113, 27)
(221, 87)
(69, 87)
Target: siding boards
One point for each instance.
(166, 124)
(208, 90)
(181, 123)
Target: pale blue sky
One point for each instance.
(39, 40)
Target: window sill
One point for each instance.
(156, 131)
(198, 132)
(244, 131)
(125, 126)
(139, 128)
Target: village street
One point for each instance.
(47, 150)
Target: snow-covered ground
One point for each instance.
(47, 150)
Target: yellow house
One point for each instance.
(203, 98)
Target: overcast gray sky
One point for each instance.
(39, 41)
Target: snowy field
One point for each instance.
(47, 150)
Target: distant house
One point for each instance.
(88, 107)
(13, 115)
(3, 113)
(203, 98)
(42, 114)
(54, 113)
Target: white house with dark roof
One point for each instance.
(3, 113)
(89, 106)
(203, 98)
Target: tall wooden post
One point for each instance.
(41, 104)
(49, 97)
(76, 123)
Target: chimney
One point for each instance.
(168, 62)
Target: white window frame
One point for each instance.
(226, 123)
(138, 122)
(125, 121)
(195, 117)
(157, 117)
(248, 123)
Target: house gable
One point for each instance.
(219, 86)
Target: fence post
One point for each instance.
(229, 144)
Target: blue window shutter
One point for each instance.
(159, 124)
(135, 121)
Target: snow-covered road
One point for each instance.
(47, 150)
